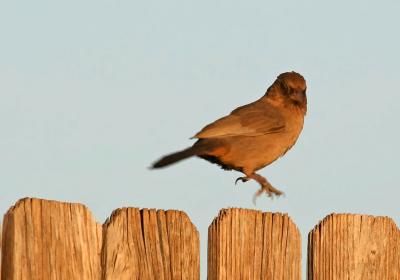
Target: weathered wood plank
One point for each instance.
(359, 247)
(249, 244)
(45, 239)
(150, 244)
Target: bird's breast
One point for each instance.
(256, 152)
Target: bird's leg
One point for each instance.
(265, 186)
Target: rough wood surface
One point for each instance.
(44, 239)
(357, 247)
(249, 244)
(50, 240)
(150, 244)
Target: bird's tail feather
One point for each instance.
(175, 157)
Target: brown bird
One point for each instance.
(254, 135)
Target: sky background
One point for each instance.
(92, 92)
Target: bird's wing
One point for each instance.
(253, 119)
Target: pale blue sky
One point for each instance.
(92, 92)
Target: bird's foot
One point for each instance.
(269, 190)
(266, 188)
(243, 179)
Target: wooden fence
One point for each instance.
(44, 239)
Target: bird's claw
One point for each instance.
(266, 187)
(269, 190)
(243, 179)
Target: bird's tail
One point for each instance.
(175, 157)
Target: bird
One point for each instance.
(254, 135)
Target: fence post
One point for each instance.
(347, 246)
(40, 240)
(150, 244)
(249, 244)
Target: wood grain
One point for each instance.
(45, 239)
(348, 246)
(249, 244)
(150, 244)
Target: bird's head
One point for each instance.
(289, 89)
